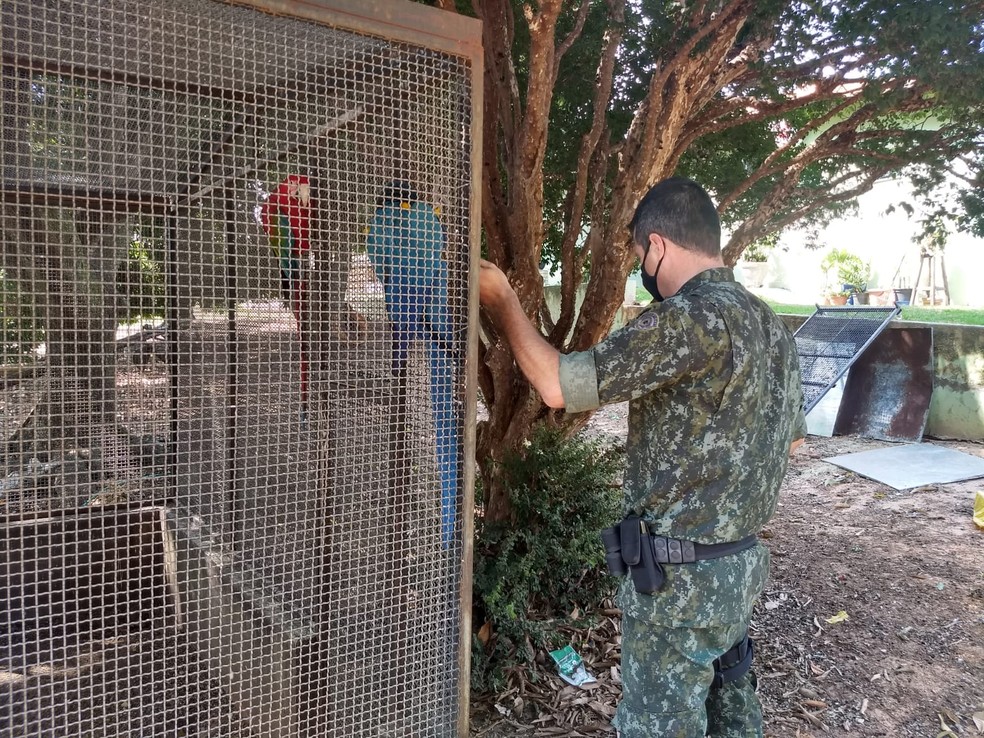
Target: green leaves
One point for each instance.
(549, 560)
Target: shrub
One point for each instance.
(548, 560)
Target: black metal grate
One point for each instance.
(236, 250)
(831, 340)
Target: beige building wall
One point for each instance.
(885, 240)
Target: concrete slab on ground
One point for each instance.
(912, 465)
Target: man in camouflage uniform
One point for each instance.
(712, 379)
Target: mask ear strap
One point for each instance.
(645, 256)
(659, 265)
(649, 281)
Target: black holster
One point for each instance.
(629, 549)
(734, 663)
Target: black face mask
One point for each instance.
(649, 281)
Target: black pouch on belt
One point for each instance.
(611, 538)
(637, 551)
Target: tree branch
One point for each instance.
(698, 17)
(526, 169)
(689, 76)
(720, 117)
(605, 76)
(970, 181)
(760, 223)
(770, 165)
(501, 108)
(734, 8)
(565, 45)
(736, 246)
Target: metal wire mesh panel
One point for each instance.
(831, 340)
(234, 409)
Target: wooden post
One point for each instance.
(915, 285)
(946, 284)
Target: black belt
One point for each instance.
(630, 549)
(678, 551)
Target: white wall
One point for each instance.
(883, 239)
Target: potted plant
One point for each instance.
(838, 297)
(851, 272)
(854, 275)
(903, 295)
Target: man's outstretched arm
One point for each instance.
(537, 359)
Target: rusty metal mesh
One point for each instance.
(831, 340)
(234, 318)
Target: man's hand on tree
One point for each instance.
(493, 287)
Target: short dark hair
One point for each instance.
(681, 210)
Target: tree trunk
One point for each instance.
(678, 99)
(602, 200)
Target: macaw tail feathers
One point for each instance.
(446, 437)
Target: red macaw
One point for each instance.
(286, 218)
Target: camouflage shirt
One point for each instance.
(712, 379)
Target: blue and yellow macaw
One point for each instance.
(406, 246)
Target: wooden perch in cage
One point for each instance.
(147, 344)
(312, 135)
(11, 375)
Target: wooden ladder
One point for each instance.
(931, 289)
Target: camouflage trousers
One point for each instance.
(666, 684)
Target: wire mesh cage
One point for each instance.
(236, 415)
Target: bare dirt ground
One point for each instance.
(907, 568)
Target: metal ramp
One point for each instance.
(831, 340)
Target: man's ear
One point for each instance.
(654, 252)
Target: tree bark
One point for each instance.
(605, 190)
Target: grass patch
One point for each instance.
(791, 309)
(959, 316)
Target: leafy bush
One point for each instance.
(141, 276)
(549, 560)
